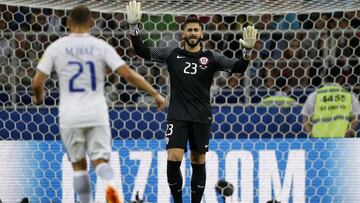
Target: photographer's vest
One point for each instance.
(332, 112)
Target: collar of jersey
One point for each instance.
(74, 34)
(184, 51)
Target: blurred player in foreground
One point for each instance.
(189, 116)
(80, 61)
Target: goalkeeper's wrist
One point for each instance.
(134, 29)
(246, 52)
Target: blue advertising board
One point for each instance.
(261, 151)
(290, 170)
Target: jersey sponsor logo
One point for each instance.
(180, 57)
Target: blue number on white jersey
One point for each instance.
(91, 65)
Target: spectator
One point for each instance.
(331, 111)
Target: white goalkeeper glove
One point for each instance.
(249, 40)
(133, 12)
(249, 36)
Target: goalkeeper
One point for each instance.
(189, 116)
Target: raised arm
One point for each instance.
(238, 65)
(248, 41)
(134, 13)
(139, 47)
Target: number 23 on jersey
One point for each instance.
(190, 68)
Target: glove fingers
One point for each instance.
(132, 5)
(139, 15)
(253, 32)
(250, 35)
(129, 5)
(244, 33)
(138, 7)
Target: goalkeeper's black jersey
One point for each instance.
(191, 76)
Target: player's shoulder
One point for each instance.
(311, 96)
(214, 53)
(89, 39)
(171, 49)
(55, 44)
(101, 43)
(98, 40)
(60, 42)
(167, 52)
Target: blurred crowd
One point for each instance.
(297, 47)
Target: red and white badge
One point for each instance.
(204, 60)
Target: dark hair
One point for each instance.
(192, 19)
(80, 15)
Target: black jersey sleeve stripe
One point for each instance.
(140, 48)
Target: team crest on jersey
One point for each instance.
(204, 61)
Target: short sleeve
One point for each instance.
(112, 58)
(46, 62)
(355, 109)
(225, 63)
(160, 54)
(309, 106)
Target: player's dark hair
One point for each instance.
(80, 15)
(192, 19)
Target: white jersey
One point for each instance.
(80, 62)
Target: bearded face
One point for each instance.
(192, 34)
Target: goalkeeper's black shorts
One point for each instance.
(178, 133)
